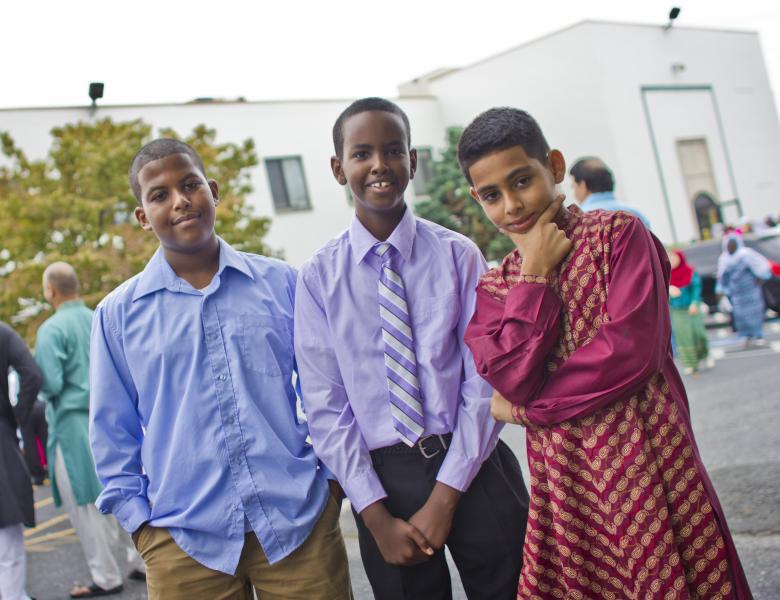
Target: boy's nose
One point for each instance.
(181, 200)
(379, 165)
(512, 204)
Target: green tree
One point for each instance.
(450, 205)
(76, 205)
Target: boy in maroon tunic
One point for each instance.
(573, 332)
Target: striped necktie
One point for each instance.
(401, 362)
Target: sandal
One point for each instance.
(93, 591)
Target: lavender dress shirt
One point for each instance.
(340, 352)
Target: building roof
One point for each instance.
(444, 72)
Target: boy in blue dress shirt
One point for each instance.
(193, 412)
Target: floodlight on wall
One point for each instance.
(95, 92)
(673, 14)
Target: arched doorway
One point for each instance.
(707, 214)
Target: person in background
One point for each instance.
(594, 188)
(741, 274)
(687, 322)
(62, 353)
(16, 500)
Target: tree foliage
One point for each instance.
(450, 205)
(76, 205)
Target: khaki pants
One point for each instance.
(317, 570)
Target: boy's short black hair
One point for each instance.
(365, 105)
(155, 150)
(595, 173)
(498, 129)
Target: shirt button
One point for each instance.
(230, 419)
(222, 377)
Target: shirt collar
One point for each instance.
(598, 197)
(158, 274)
(70, 304)
(402, 238)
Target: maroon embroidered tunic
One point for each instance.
(621, 506)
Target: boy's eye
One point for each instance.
(396, 152)
(490, 197)
(192, 185)
(158, 197)
(522, 181)
(360, 154)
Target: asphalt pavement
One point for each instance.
(734, 409)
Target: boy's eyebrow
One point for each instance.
(519, 171)
(363, 146)
(181, 180)
(512, 174)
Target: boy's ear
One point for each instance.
(474, 194)
(557, 165)
(338, 172)
(412, 162)
(140, 216)
(214, 191)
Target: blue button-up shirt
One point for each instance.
(194, 421)
(607, 201)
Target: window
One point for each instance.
(699, 180)
(288, 183)
(424, 174)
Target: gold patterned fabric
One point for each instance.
(621, 506)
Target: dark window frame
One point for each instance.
(278, 185)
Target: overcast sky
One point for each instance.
(149, 51)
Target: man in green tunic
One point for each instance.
(62, 353)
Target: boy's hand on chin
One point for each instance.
(434, 519)
(544, 246)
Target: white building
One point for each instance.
(674, 112)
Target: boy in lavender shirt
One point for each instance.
(395, 406)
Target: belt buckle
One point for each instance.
(422, 449)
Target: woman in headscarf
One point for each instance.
(687, 323)
(741, 273)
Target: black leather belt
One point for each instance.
(429, 446)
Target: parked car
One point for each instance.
(703, 256)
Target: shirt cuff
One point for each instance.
(458, 470)
(549, 280)
(132, 514)
(363, 490)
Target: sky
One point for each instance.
(159, 51)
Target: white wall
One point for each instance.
(299, 128)
(557, 79)
(732, 64)
(583, 84)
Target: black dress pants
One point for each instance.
(486, 539)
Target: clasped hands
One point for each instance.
(406, 543)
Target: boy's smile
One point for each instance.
(515, 189)
(177, 203)
(377, 162)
